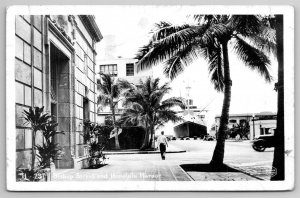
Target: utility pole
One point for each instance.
(253, 116)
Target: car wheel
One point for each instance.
(259, 147)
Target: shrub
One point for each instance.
(92, 134)
(47, 152)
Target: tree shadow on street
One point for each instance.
(207, 168)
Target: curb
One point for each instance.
(140, 152)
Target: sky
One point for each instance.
(125, 29)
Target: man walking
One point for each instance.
(162, 144)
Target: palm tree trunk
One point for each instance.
(151, 136)
(117, 144)
(146, 138)
(278, 160)
(218, 156)
(33, 150)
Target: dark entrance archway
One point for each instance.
(60, 94)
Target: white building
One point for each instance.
(120, 68)
(262, 123)
(192, 114)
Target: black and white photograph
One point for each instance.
(150, 98)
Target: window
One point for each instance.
(232, 121)
(190, 102)
(266, 131)
(271, 131)
(262, 131)
(108, 120)
(111, 69)
(86, 109)
(130, 69)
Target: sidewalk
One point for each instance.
(203, 172)
(261, 170)
(170, 149)
(129, 170)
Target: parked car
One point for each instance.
(208, 138)
(265, 141)
(187, 138)
(181, 138)
(173, 138)
(195, 137)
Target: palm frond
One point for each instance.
(165, 29)
(104, 84)
(36, 118)
(125, 85)
(142, 51)
(167, 47)
(253, 58)
(164, 116)
(176, 64)
(172, 102)
(115, 91)
(245, 24)
(216, 70)
(210, 19)
(103, 99)
(214, 33)
(134, 115)
(265, 41)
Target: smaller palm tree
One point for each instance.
(110, 94)
(146, 108)
(40, 121)
(37, 119)
(49, 150)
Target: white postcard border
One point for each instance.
(288, 184)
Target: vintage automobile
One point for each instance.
(265, 141)
(208, 138)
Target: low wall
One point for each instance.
(130, 138)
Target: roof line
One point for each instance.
(92, 27)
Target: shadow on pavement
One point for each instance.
(95, 166)
(206, 168)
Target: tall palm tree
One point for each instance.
(146, 107)
(210, 37)
(274, 44)
(278, 160)
(110, 94)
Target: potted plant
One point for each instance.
(47, 151)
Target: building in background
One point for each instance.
(235, 121)
(263, 123)
(257, 124)
(55, 68)
(119, 68)
(194, 122)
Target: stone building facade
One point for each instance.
(55, 68)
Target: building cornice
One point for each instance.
(90, 24)
(60, 34)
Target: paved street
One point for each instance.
(150, 167)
